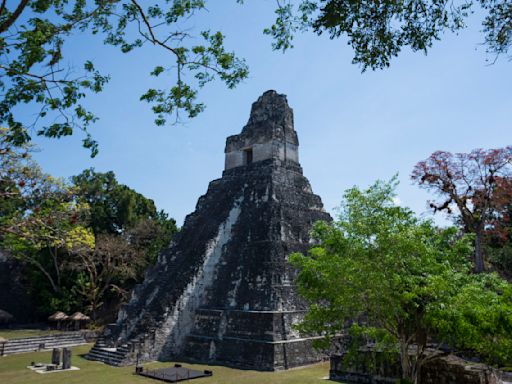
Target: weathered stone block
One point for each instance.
(56, 356)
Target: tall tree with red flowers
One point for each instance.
(470, 187)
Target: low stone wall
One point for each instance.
(374, 368)
(38, 343)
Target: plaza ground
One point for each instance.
(13, 371)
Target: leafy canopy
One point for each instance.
(114, 207)
(34, 69)
(379, 30)
(81, 244)
(396, 280)
(474, 187)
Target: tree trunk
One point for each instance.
(406, 363)
(94, 307)
(479, 258)
(55, 264)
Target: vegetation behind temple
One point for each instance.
(84, 243)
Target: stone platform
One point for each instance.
(174, 374)
(38, 343)
(262, 340)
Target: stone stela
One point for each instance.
(55, 365)
(223, 292)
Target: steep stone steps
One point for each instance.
(105, 354)
(31, 344)
(110, 356)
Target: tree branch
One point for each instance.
(39, 77)
(2, 7)
(10, 21)
(153, 38)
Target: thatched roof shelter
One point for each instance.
(5, 317)
(79, 316)
(58, 316)
(78, 320)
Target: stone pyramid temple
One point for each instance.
(223, 292)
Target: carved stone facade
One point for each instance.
(223, 292)
(269, 134)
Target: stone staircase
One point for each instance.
(111, 356)
(31, 344)
(505, 377)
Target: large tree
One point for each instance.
(39, 213)
(389, 278)
(35, 69)
(116, 207)
(78, 242)
(469, 186)
(105, 267)
(43, 238)
(379, 30)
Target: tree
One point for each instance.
(33, 36)
(39, 212)
(379, 30)
(106, 266)
(16, 168)
(44, 236)
(116, 207)
(389, 278)
(151, 236)
(78, 243)
(14, 172)
(130, 233)
(498, 232)
(467, 181)
(40, 219)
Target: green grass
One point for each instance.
(20, 333)
(13, 371)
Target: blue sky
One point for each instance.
(353, 128)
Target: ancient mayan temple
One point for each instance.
(223, 292)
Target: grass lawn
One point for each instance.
(13, 371)
(19, 333)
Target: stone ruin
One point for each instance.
(56, 365)
(223, 292)
(377, 367)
